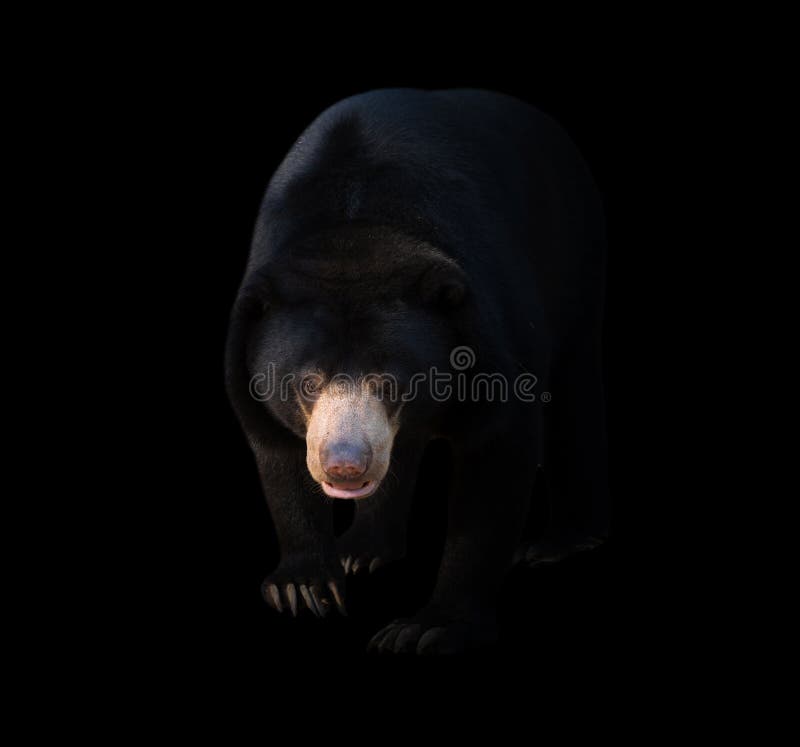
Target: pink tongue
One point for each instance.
(351, 485)
(349, 489)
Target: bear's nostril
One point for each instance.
(345, 471)
(345, 461)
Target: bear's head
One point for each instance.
(342, 333)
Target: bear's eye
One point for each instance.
(384, 387)
(311, 384)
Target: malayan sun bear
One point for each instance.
(425, 265)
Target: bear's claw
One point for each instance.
(360, 549)
(291, 596)
(275, 597)
(433, 632)
(337, 597)
(309, 600)
(352, 564)
(316, 594)
(551, 550)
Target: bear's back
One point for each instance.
(492, 181)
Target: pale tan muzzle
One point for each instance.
(349, 440)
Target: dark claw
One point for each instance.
(377, 639)
(291, 596)
(428, 638)
(347, 562)
(272, 590)
(322, 603)
(356, 565)
(337, 598)
(535, 559)
(308, 599)
(375, 563)
(387, 644)
(407, 638)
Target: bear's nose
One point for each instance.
(344, 460)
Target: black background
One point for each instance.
(204, 138)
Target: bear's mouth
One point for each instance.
(355, 489)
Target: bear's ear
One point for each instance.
(444, 284)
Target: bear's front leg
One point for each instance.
(491, 488)
(309, 574)
(378, 533)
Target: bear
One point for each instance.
(418, 254)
